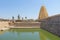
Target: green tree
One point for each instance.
(25, 18)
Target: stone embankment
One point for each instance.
(51, 24)
(4, 25)
(10, 24)
(26, 25)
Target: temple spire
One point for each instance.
(43, 13)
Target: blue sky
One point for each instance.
(28, 8)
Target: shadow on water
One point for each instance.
(27, 34)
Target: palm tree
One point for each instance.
(12, 17)
(18, 17)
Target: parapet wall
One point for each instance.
(52, 24)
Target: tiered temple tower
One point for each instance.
(43, 13)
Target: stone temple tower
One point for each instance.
(43, 13)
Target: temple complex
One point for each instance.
(51, 24)
(43, 15)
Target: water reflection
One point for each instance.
(1, 32)
(27, 34)
(44, 35)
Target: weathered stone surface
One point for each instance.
(4, 24)
(51, 24)
(43, 13)
(26, 25)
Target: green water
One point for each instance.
(27, 34)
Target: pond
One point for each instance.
(27, 34)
